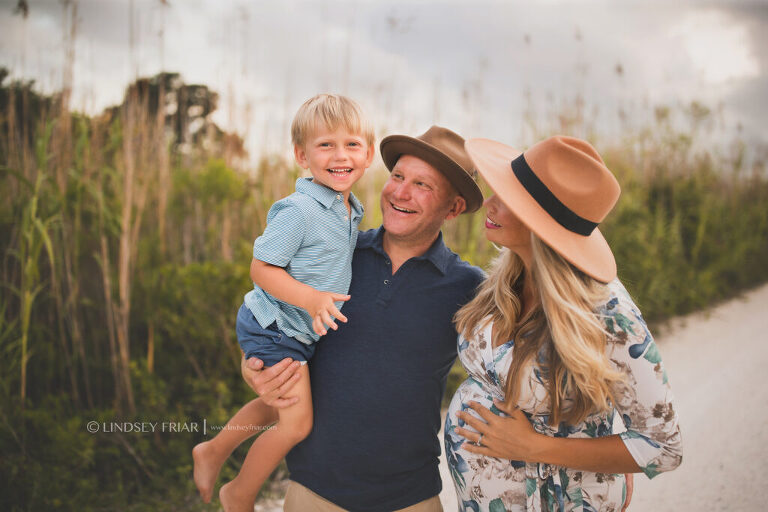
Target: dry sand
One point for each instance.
(716, 362)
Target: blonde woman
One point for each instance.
(554, 346)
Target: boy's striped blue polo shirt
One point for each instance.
(311, 235)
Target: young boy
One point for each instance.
(301, 269)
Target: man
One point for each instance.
(378, 381)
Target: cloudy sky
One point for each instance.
(484, 68)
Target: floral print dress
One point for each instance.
(644, 402)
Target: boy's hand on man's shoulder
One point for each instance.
(322, 308)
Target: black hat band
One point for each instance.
(547, 200)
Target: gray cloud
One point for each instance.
(478, 67)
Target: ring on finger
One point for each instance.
(480, 440)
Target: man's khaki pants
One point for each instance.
(300, 499)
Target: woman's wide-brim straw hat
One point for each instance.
(561, 190)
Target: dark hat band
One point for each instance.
(564, 216)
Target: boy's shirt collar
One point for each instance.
(327, 196)
(438, 253)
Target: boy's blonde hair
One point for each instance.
(330, 111)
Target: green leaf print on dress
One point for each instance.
(497, 506)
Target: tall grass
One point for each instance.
(126, 239)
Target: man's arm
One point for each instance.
(278, 283)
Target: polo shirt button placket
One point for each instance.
(385, 293)
(387, 284)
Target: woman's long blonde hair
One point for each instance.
(563, 330)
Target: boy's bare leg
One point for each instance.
(294, 424)
(209, 456)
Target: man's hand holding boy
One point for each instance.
(272, 383)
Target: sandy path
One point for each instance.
(717, 366)
(717, 363)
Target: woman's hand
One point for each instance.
(510, 438)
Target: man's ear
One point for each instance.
(458, 206)
(300, 155)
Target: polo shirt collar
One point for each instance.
(326, 196)
(438, 253)
(322, 194)
(357, 206)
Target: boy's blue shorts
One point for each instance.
(270, 344)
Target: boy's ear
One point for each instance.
(371, 154)
(300, 155)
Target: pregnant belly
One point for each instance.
(480, 480)
(469, 391)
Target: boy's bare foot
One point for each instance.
(232, 502)
(206, 470)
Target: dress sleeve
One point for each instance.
(283, 235)
(644, 398)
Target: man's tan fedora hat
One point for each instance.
(443, 150)
(561, 189)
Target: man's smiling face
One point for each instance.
(416, 199)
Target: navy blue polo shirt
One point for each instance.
(378, 382)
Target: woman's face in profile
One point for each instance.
(502, 227)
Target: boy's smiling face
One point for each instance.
(336, 159)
